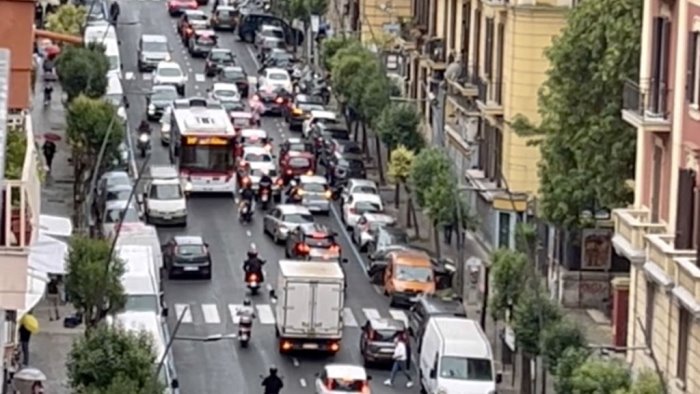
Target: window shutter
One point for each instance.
(685, 215)
(690, 72)
(488, 50)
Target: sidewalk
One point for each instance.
(49, 348)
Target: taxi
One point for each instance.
(408, 274)
(241, 120)
(201, 42)
(316, 196)
(253, 137)
(312, 242)
(343, 378)
(294, 164)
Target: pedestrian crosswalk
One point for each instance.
(217, 314)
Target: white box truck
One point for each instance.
(141, 234)
(309, 306)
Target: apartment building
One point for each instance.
(500, 45)
(16, 34)
(374, 20)
(660, 232)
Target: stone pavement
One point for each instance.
(49, 348)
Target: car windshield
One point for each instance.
(258, 172)
(299, 162)
(112, 216)
(398, 238)
(225, 93)
(365, 189)
(366, 206)
(206, 40)
(313, 187)
(408, 273)
(191, 251)
(225, 14)
(300, 147)
(277, 77)
(113, 62)
(197, 17)
(347, 386)
(384, 335)
(142, 303)
(119, 180)
(350, 148)
(169, 72)
(221, 56)
(298, 218)
(342, 135)
(165, 95)
(233, 74)
(308, 107)
(155, 46)
(351, 163)
(207, 158)
(166, 192)
(234, 105)
(118, 195)
(273, 33)
(254, 157)
(461, 368)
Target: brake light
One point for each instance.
(335, 347)
(309, 172)
(289, 172)
(335, 248)
(279, 181)
(303, 248)
(268, 147)
(253, 278)
(279, 100)
(328, 194)
(246, 180)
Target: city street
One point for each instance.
(224, 367)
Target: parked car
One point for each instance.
(359, 204)
(427, 306)
(251, 21)
(224, 17)
(187, 256)
(268, 31)
(366, 226)
(112, 215)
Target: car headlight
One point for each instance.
(168, 58)
(151, 109)
(188, 187)
(441, 390)
(284, 230)
(144, 137)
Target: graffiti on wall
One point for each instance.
(596, 249)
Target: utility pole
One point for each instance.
(315, 28)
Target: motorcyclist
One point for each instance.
(144, 127)
(253, 265)
(247, 194)
(272, 383)
(48, 89)
(246, 313)
(293, 191)
(265, 183)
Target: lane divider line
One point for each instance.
(371, 313)
(302, 382)
(344, 231)
(295, 362)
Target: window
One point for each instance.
(693, 72)
(660, 66)
(453, 25)
(657, 162)
(685, 222)
(488, 48)
(649, 312)
(466, 24)
(684, 322)
(477, 37)
(460, 368)
(503, 230)
(499, 74)
(166, 192)
(408, 273)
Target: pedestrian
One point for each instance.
(114, 12)
(54, 297)
(400, 357)
(39, 14)
(49, 150)
(448, 229)
(24, 337)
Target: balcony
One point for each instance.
(496, 4)
(644, 110)
(631, 227)
(21, 204)
(435, 51)
(661, 252)
(465, 84)
(489, 97)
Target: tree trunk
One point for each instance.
(397, 195)
(525, 374)
(378, 145)
(365, 144)
(356, 131)
(436, 239)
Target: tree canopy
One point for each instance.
(331, 46)
(597, 376)
(16, 149)
(400, 161)
(92, 289)
(427, 164)
(303, 9)
(532, 315)
(508, 275)
(398, 125)
(109, 359)
(68, 19)
(559, 337)
(588, 151)
(83, 70)
(87, 123)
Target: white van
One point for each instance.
(150, 323)
(140, 255)
(456, 358)
(141, 234)
(164, 197)
(112, 52)
(115, 95)
(105, 35)
(141, 286)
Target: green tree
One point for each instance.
(345, 69)
(588, 151)
(400, 161)
(94, 290)
(303, 9)
(427, 164)
(16, 149)
(532, 315)
(68, 19)
(597, 376)
(110, 358)
(398, 125)
(83, 70)
(331, 46)
(374, 97)
(570, 359)
(508, 275)
(647, 382)
(559, 337)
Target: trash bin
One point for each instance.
(26, 379)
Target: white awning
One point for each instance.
(48, 255)
(55, 225)
(36, 287)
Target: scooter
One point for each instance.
(253, 283)
(245, 212)
(245, 328)
(144, 143)
(264, 198)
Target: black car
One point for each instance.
(235, 75)
(217, 59)
(335, 149)
(300, 108)
(224, 17)
(377, 340)
(187, 255)
(322, 132)
(280, 58)
(250, 22)
(312, 242)
(347, 166)
(160, 98)
(233, 106)
(427, 306)
(202, 43)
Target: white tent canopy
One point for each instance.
(55, 225)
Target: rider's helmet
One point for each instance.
(252, 251)
(293, 183)
(273, 370)
(246, 302)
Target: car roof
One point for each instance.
(120, 187)
(435, 305)
(224, 86)
(188, 240)
(366, 197)
(225, 8)
(361, 182)
(398, 231)
(295, 140)
(236, 68)
(205, 32)
(288, 209)
(255, 150)
(324, 114)
(383, 323)
(305, 154)
(313, 179)
(280, 50)
(155, 88)
(165, 64)
(195, 12)
(413, 257)
(253, 132)
(226, 50)
(115, 174)
(315, 228)
(276, 70)
(154, 38)
(118, 204)
(345, 371)
(378, 217)
(266, 26)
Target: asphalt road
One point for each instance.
(223, 367)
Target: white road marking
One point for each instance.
(302, 382)
(129, 75)
(200, 77)
(344, 231)
(252, 56)
(147, 76)
(189, 69)
(248, 233)
(179, 309)
(348, 318)
(233, 310)
(211, 314)
(295, 362)
(269, 287)
(371, 313)
(399, 315)
(265, 314)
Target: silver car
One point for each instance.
(281, 220)
(153, 49)
(112, 214)
(362, 232)
(112, 178)
(358, 186)
(315, 193)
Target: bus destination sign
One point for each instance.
(206, 141)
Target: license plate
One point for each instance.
(191, 268)
(167, 217)
(264, 198)
(387, 351)
(309, 346)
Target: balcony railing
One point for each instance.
(646, 107)
(661, 251)
(632, 226)
(490, 96)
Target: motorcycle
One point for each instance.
(253, 283)
(264, 196)
(245, 328)
(144, 144)
(245, 212)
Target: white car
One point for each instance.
(285, 218)
(112, 214)
(266, 31)
(355, 186)
(360, 203)
(225, 92)
(274, 78)
(363, 231)
(343, 378)
(316, 117)
(254, 137)
(170, 73)
(164, 202)
(257, 154)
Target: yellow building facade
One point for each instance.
(500, 45)
(376, 17)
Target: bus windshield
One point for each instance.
(207, 158)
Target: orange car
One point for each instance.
(408, 274)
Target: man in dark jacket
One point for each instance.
(24, 337)
(272, 383)
(114, 12)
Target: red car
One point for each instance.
(175, 7)
(296, 163)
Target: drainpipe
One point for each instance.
(4, 95)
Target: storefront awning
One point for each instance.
(36, 287)
(48, 255)
(57, 226)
